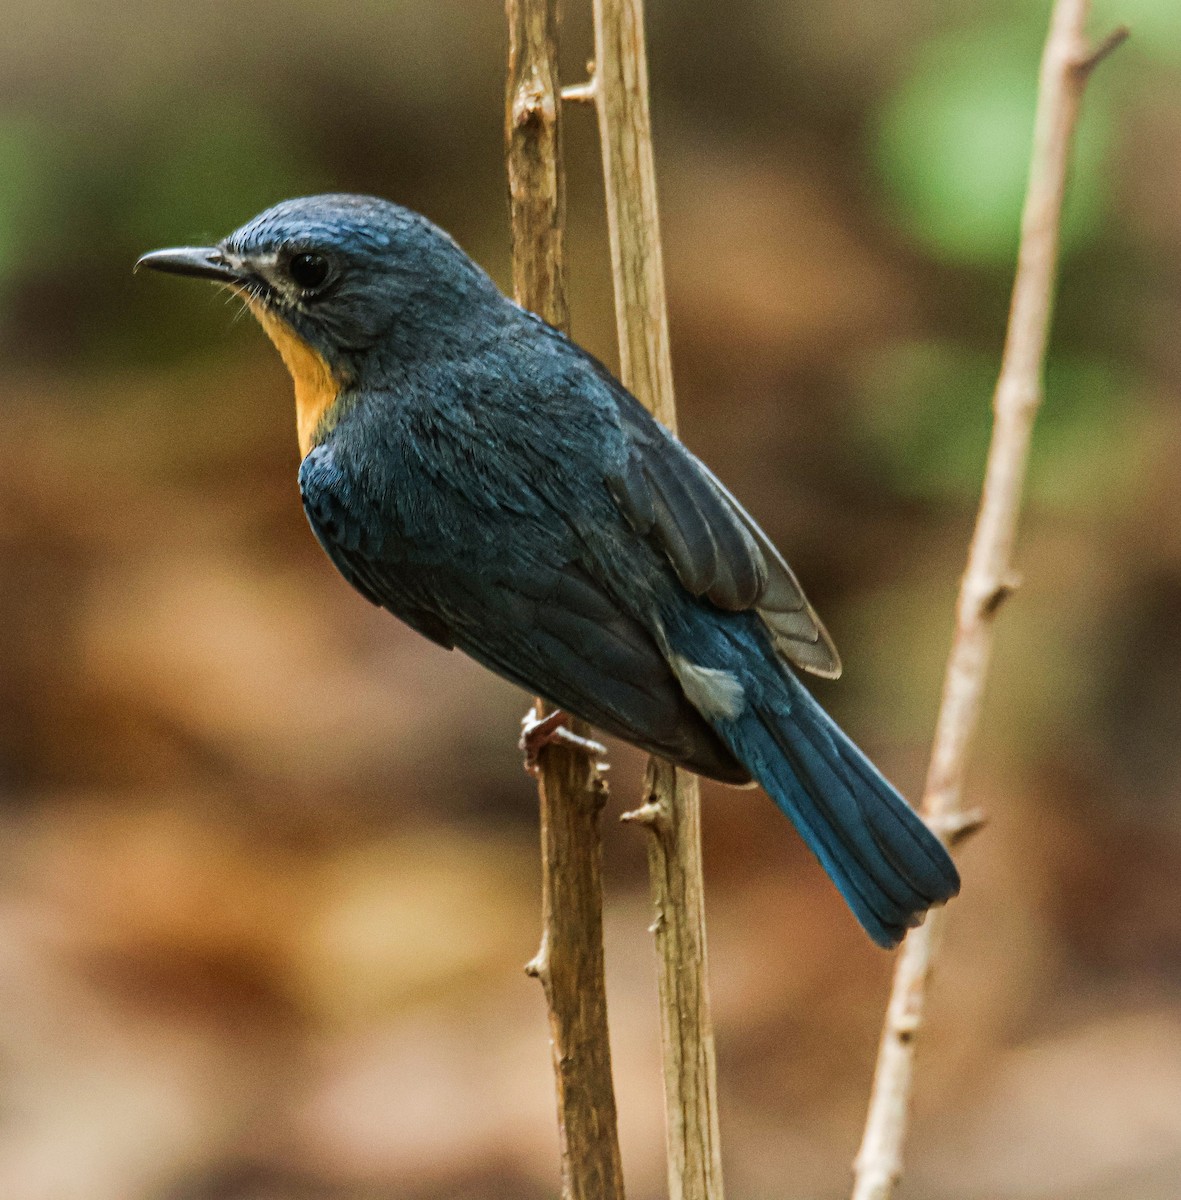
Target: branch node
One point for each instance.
(600, 788)
(533, 103)
(906, 1027)
(1112, 42)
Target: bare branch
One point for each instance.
(671, 812)
(569, 963)
(1066, 66)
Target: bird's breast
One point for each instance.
(316, 388)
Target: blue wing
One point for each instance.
(713, 544)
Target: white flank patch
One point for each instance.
(714, 693)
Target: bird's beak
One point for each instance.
(205, 262)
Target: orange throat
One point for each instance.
(316, 388)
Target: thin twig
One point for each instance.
(671, 811)
(582, 93)
(569, 963)
(1066, 66)
(1112, 42)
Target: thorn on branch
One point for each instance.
(650, 814)
(956, 828)
(999, 594)
(538, 967)
(1112, 42)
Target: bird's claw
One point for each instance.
(538, 732)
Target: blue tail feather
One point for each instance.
(886, 863)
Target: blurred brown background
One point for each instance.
(269, 867)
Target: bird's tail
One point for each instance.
(888, 865)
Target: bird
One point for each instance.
(471, 469)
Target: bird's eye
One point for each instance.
(308, 271)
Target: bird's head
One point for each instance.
(346, 287)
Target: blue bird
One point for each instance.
(472, 470)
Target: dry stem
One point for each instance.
(569, 963)
(671, 811)
(1066, 65)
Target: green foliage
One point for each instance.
(30, 157)
(1155, 25)
(927, 414)
(213, 166)
(953, 146)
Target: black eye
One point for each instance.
(308, 271)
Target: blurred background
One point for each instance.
(269, 868)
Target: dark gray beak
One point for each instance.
(205, 262)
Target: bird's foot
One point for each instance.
(537, 732)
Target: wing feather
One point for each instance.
(712, 542)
